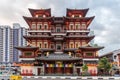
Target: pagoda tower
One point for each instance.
(58, 45)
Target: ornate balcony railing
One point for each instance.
(34, 30)
(81, 30)
(27, 56)
(90, 57)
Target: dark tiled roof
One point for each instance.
(63, 57)
(91, 47)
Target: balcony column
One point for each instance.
(42, 69)
(36, 42)
(74, 43)
(42, 25)
(36, 26)
(74, 26)
(74, 70)
(49, 27)
(35, 71)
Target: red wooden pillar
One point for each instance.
(42, 25)
(36, 25)
(49, 23)
(74, 43)
(36, 42)
(67, 25)
(74, 26)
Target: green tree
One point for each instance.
(85, 70)
(104, 66)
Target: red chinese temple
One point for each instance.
(58, 45)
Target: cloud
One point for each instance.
(105, 25)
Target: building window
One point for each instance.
(77, 45)
(45, 26)
(33, 26)
(83, 26)
(40, 26)
(40, 45)
(77, 26)
(45, 45)
(71, 45)
(89, 54)
(58, 46)
(58, 30)
(71, 27)
(115, 57)
(28, 53)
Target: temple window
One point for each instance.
(71, 27)
(71, 45)
(33, 26)
(39, 26)
(58, 29)
(83, 25)
(45, 45)
(76, 44)
(115, 57)
(40, 45)
(45, 26)
(58, 46)
(77, 26)
(89, 54)
(28, 54)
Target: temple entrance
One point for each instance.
(58, 70)
(59, 67)
(69, 70)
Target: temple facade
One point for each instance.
(58, 45)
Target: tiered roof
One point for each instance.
(47, 12)
(27, 48)
(89, 47)
(83, 12)
(60, 57)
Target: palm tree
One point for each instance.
(104, 65)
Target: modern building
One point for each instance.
(6, 44)
(18, 40)
(58, 45)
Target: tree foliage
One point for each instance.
(104, 64)
(85, 68)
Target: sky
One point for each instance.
(105, 25)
